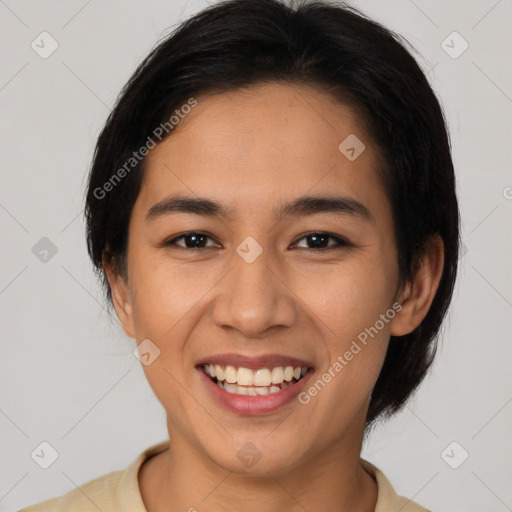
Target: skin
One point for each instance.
(252, 150)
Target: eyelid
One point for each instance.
(169, 242)
(340, 241)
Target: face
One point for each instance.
(245, 289)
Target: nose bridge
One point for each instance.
(253, 298)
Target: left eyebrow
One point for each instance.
(301, 206)
(310, 205)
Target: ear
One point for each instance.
(121, 296)
(418, 294)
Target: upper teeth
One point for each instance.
(261, 377)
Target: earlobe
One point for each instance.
(418, 294)
(120, 297)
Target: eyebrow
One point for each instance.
(301, 206)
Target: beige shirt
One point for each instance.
(119, 492)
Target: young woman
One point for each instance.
(272, 209)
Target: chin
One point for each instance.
(258, 455)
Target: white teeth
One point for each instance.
(264, 381)
(277, 375)
(219, 372)
(235, 389)
(244, 377)
(231, 374)
(262, 377)
(230, 388)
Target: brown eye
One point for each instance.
(315, 241)
(319, 240)
(192, 240)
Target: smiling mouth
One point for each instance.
(244, 381)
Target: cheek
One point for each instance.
(167, 306)
(165, 292)
(354, 306)
(349, 298)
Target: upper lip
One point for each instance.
(255, 362)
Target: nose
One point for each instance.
(254, 297)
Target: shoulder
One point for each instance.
(388, 500)
(91, 496)
(112, 492)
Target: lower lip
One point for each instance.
(253, 405)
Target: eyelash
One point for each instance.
(340, 241)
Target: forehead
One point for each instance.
(263, 143)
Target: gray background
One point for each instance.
(67, 372)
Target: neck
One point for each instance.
(183, 478)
